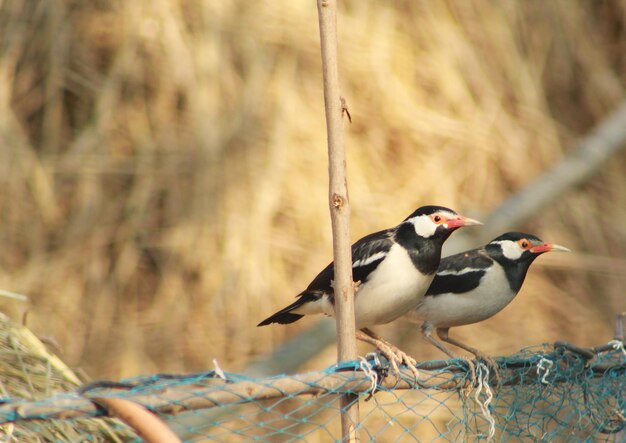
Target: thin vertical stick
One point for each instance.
(620, 334)
(339, 208)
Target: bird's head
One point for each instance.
(520, 247)
(437, 221)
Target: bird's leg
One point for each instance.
(427, 330)
(391, 352)
(443, 335)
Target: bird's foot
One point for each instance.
(409, 362)
(397, 357)
(392, 353)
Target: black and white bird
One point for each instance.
(475, 285)
(392, 269)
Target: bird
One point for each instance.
(474, 285)
(391, 269)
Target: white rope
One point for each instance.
(544, 366)
(482, 378)
(368, 370)
(618, 345)
(218, 370)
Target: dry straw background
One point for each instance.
(163, 176)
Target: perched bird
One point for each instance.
(391, 269)
(474, 285)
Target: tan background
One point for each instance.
(163, 166)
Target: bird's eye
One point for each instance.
(524, 244)
(438, 219)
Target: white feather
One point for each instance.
(510, 249)
(425, 227)
(454, 272)
(393, 289)
(321, 306)
(367, 260)
(447, 310)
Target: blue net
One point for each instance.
(553, 392)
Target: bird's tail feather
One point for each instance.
(285, 315)
(283, 318)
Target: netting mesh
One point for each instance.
(547, 393)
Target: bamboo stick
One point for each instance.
(339, 208)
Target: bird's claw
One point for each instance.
(391, 352)
(409, 362)
(397, 357)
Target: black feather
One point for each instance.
(365, 247)
(322, 283)
(376, 243)
(476, 259)
(515, 270)
(455, 284)
(428, 210)
(285, 316)
(282, 318)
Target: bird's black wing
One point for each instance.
(367, 253)
(460, 273)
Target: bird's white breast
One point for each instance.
(447, 310)
(394, 288)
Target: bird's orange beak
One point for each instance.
(461, 221)
(547, 247)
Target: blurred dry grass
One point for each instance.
(163, 163)
(30, 372)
